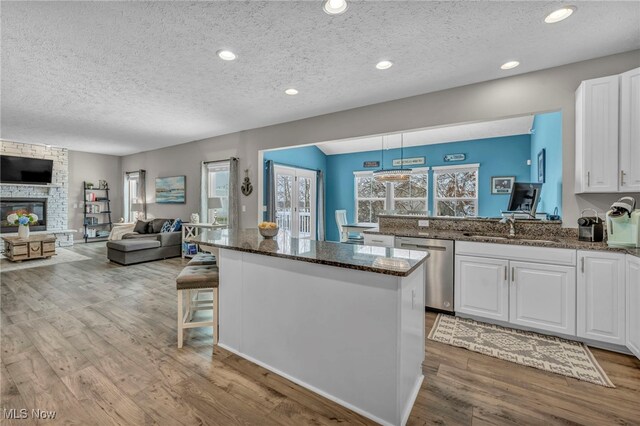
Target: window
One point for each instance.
(370, 197)
(217, 186)
(456, 190)
(131, 197)
(411, 196)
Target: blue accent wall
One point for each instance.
(505, 156)
(547, 135)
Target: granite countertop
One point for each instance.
(389, 261)
(554, 241)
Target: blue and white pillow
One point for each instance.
(177, 225)
(166, 227)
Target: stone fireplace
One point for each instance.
(28, 205)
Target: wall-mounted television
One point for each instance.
(32, 171)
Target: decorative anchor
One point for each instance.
(246, 187)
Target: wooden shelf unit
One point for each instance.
(104, 201)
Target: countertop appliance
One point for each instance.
(623, 223)
(590, 228)
(438, 270)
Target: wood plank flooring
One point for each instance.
(96, 342)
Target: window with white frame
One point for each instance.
(370, 197)
(373, 197)
(411, 196)
(455, 190)
(131, 198)
(217, 187)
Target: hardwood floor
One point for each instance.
(96, 342)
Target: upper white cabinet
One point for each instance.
(542, 297)
(630, 131)
(633, 305)
(607, 134)
(601, 296)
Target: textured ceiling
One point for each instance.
(124, 77)
(454, 133)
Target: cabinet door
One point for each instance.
(601, 296)
(630, 131)
(597, 105)
(543, 296)
(481, 287)
(633, 304)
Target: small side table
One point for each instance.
(190, 231)
(40, 246)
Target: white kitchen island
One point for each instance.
(344, 321)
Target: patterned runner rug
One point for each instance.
(549, 353)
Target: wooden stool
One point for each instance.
(202, 259)
(197, 278)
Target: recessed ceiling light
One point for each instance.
(509, 65)
(226, 55)
(335, 7)
(384, 65)
(291, 92)
(560, 14)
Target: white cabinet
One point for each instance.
(630, 131)
(481, 287)
(608, 134)
(633, 305)
(601, 297)
(597, 104)
(542, 297)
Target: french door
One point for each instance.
(296, 201)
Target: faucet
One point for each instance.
(511, 220)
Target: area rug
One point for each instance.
(62, 256)
(548, 353)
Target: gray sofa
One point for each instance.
(144, 247)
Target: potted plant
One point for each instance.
(23, 220)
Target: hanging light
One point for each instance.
(393, 175)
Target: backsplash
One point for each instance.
(524, 228)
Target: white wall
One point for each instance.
(89, 167)
(539, 91)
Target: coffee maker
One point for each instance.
(623, 223)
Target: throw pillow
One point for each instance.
(177, 225)
(156, 225)
(140, 227)
(166, 227)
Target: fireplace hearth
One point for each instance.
(29, 205)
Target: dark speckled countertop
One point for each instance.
(389, 261)
(554, 241)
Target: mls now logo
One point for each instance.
(23, 413)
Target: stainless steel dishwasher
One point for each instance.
(438, 282)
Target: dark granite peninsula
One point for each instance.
(344, 321)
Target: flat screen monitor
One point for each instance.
(25, 170)
(525, 197)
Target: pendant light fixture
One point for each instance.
(393, 175)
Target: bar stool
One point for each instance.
(201, 277)
(202, 259)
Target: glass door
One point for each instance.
(296, 201)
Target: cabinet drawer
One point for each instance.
(379, 240)
(48, 247)
(554, 256)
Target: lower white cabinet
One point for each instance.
(481, 287)
(601, 296)
(633, 305)
(543, 297)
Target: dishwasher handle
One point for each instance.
(422, 247)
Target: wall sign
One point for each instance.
(409, 161)
(455, 157)
(371, 164)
